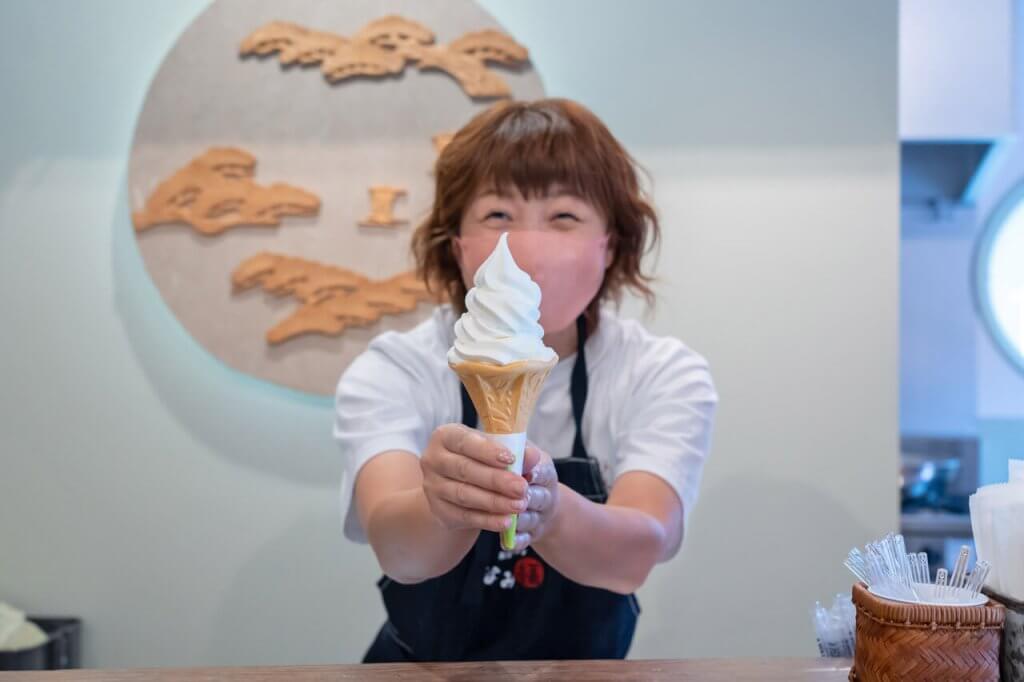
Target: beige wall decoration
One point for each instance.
(225, 149)
(382, 207)
(441, 141)
(332, 298)
(384, 47)
(215, 191)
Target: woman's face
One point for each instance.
(560, 240)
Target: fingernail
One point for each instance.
(533, 475)
(506, 457)
(507, 523)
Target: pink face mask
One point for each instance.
(568, 267)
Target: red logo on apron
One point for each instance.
(529, 572)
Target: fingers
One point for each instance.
(538, 498)
(455, 516)
(463, 469)
(467, 495)
(446, 456)
(538, 467)
(539, 501)
(523, 541)
(465, 441)
(528, 522)
(466, 480)
(532, 456)
(543, 475)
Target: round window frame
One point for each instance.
(994, 224)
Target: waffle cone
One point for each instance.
(504, 395)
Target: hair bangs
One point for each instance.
(537, 151)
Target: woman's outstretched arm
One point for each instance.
(614, 545)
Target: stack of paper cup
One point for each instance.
(997, 518)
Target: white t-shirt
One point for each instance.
(650, 404)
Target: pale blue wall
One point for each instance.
(938, 371)
(953, 380)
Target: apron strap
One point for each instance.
(469, 416)
(578, 387)
(577, 392)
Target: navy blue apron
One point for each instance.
(497, 605)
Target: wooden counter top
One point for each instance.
(832, 669)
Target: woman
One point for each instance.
(617, 441)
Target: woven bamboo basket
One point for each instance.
(897, 641)
(1013, 637)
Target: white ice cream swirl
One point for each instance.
(500, 325)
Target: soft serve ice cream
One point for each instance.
(499, 353)
(501, 323)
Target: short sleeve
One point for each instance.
(379, 406)
(666, 431)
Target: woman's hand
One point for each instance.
(542, 497)
(466, 482)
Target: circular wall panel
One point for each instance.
(282, 159)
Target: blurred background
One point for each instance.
(961, 262)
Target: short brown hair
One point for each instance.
(532, 146)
